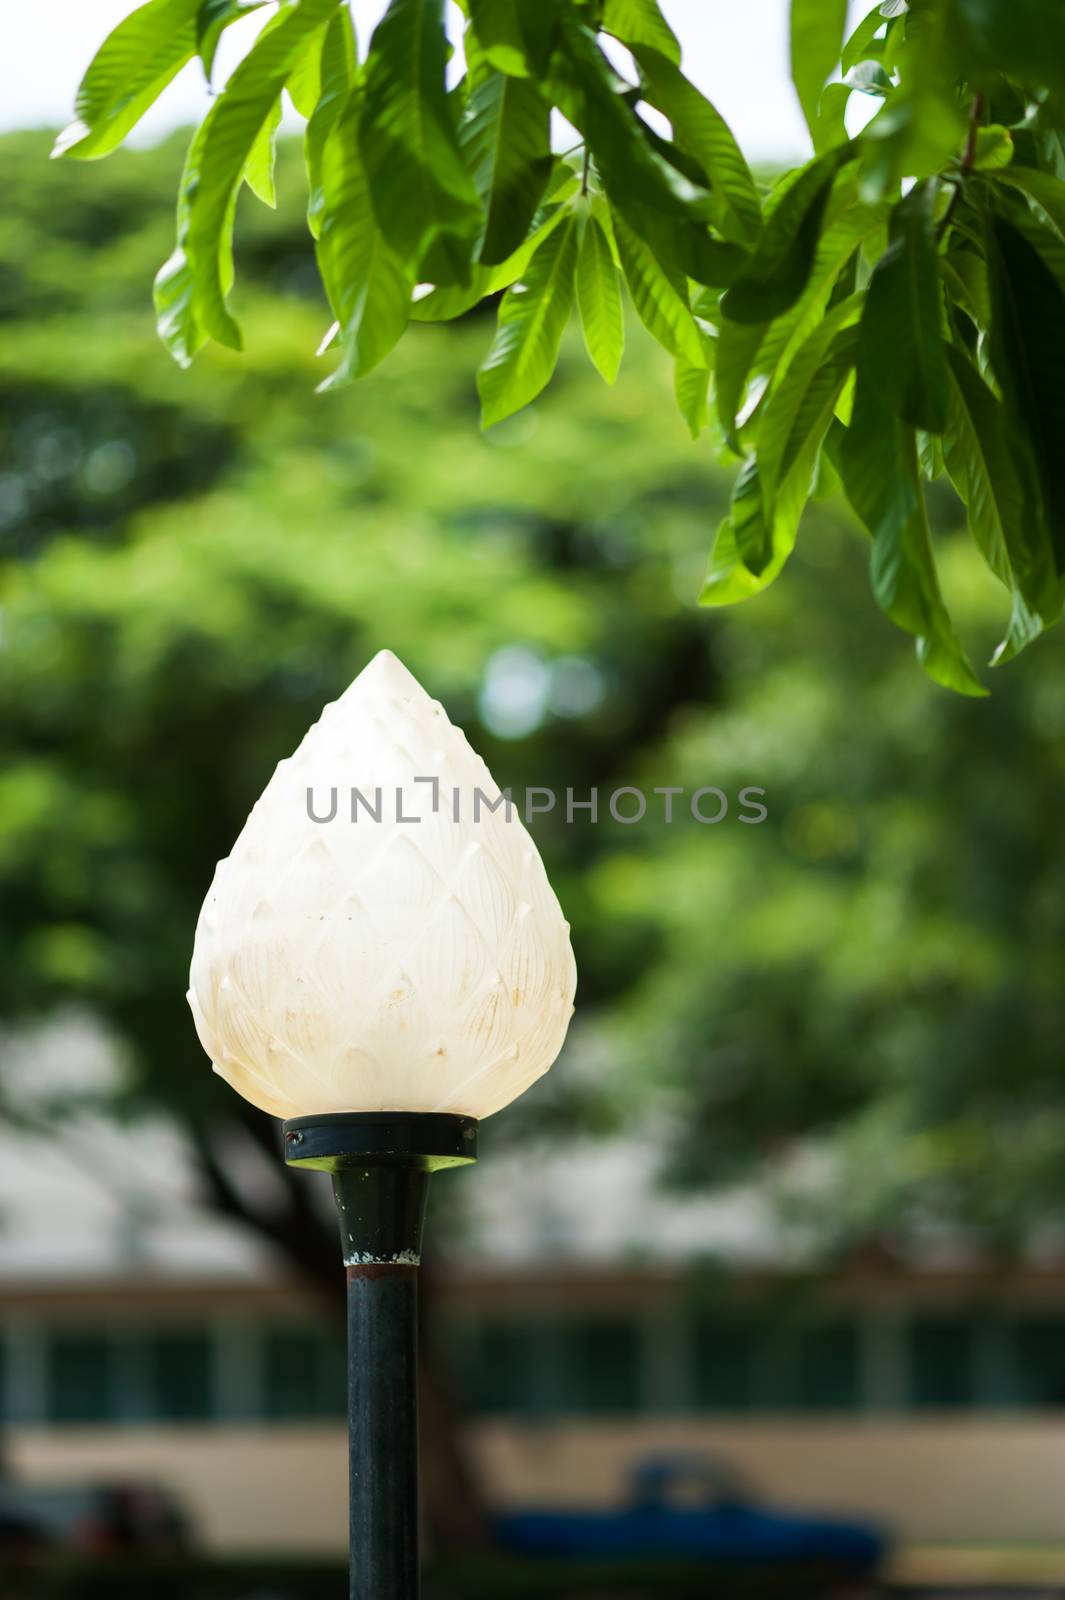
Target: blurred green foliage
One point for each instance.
(469, 1579)
(195, 562)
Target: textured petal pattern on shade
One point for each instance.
(392, 965)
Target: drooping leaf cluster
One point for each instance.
(891, 311)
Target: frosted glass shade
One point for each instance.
(391, 965)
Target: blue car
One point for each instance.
(690, 1508)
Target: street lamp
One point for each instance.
(382, 962)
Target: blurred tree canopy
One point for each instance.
(195, 562)
(888, 313)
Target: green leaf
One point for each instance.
(901, 349)
(700, 129)
(1027, 350)
(816, 42)
(863, 44)
(127, 74)
(1003, 514)
(930, 455)
(337, 68)
(640, 22)
(516, 36)
(830, 128)
(902, 379)
(660, 295)
(367, 283)
(992, 148)
(259, 167)
(423, 196)
(212, 19)
(599, 301)
(882, 483)
(752, 534)
(506, 140)
(690, 248)
(837, 246)
(444, 304)
(803, 400)
(738, 344)
(1043, 237)
(781, 265)
(751, 549)
(965, 275)
(1046, 191)
(177, 302)
(684, 248)
(305, 81)
(771, 492)
(497, 29)
(590, 94)
(691, 386)
(191, 287)
(532, 318)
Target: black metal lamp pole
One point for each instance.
(380, 1163)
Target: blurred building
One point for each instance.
(589, 1322)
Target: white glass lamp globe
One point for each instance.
(411, 963)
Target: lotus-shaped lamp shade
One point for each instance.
(419, 962)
